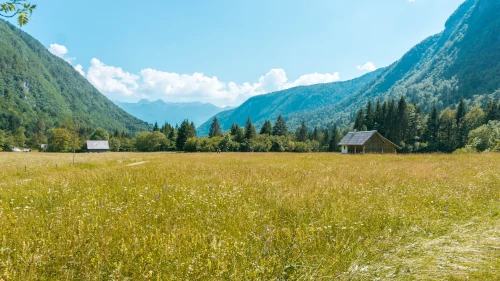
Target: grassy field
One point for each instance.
(249, 217)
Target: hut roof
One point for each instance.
(91, 144)
(360, 138)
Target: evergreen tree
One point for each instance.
(401, 121)
(280, 128)
(301, 134)
(359, 122)
(390, 121)
(432, 129)
(249, 129)
(379, 117)
(370, 116)
(315, 134)
(237, 133)
(446, 131)
(186, 131)
(335, 139)
(492, 111)
(462, 133)
(267, 128)
(215, 130)
(325, 140)
(155, 127)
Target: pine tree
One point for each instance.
(335, 139)
(359, 122)
(249, 129)
(215, 130)
(302, 132)
(379, 118)
(432, 129)
(462, 133)
(267, 128)
(155, 127)
(237, 133)
(401, 121)
(315, 134)
(370, 116)
(325, 140)
(186, 131)
(280, 128)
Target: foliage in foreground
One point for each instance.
(249, 217)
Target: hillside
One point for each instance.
(39, 90)
(297, 100)
(170, 112)
(462, 61)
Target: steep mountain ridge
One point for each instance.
(461, 61)
(37, 88)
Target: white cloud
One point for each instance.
(79, 68)
(369, 66)
(169, 86)
(60, 51)
(411, 1)
(110, 79)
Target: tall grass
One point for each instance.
(249, 217)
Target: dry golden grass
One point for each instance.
(249, 217)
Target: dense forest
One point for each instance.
(39, 91)
(466, 128)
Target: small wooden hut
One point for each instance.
(367, 142)
(97, 146)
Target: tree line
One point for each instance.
(464, 127)
(473, 128)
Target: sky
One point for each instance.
(225, 51)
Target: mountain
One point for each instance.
(297, 100)
(462, 61)
(38, 89)
(171, 112)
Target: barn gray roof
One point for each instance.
(91, 144)
(360, 138)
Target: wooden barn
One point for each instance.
(367, 142)
(97, 146)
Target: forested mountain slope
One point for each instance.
(462, 61)
(39, 90)
(297, 100)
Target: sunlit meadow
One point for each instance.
(165, 216)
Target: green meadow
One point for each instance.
(232, 216)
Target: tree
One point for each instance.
(301, 134)
(249, 129)
(401, 121)
(335, 139)
(315, 134)
(59, 140)
(370, 116)
(432, 129)
(461, 135)
(21, 9)
(486, 137)
(325, 140)
(215, 130)
(267, 128)
(280, 128)
(155, 127)
(237, 133)
(99, 134)
(114, 144)
(359, 122)
(186, 131)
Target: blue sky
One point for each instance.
(224, 51)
